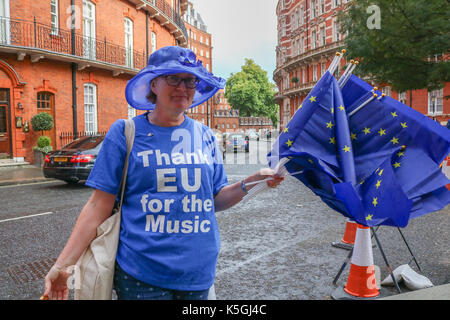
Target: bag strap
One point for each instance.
(129, 135)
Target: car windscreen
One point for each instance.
(85, 143)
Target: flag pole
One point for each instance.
(385, 260)
(410, 251)
(374, 95)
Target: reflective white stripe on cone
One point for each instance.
(361, 279)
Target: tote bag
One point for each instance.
(94, 272)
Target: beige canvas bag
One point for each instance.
(94, 272)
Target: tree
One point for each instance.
(400, 42)
(42, 122)
(250, 91)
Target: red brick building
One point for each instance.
(308, 38)
(72, 59)
(225, 118)
(200, 41)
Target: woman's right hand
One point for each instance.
(56, 284)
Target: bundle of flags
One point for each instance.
(366, 155)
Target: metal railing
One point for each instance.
(31, 34)
(170, 13)
(67, 137)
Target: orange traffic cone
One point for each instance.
(348, 240)
(361, 280)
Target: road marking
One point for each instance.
(29, 216)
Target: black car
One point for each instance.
(235, 142)
(74, 161)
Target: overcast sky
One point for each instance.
(240, 29)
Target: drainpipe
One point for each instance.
(146, 34)
(74, 74)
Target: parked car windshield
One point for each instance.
(85, 143)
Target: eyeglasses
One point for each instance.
(174, 80)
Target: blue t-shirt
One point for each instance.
(169, 235)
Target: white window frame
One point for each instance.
(336, 33)
(128, 30)
(5, 23)
(153, 41)
(402, 97)
(90, 108)
(89, 41)
(314, 75)
(435, 102)
(322, 36)
(313, 39)
(54, 16)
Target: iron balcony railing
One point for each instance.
(67, 137)
(170, 13)
(34, 35)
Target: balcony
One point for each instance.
(167, 16)
(44, 41)
(304, 58)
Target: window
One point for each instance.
(313, 9)
(283, 27)
(153, 40)
(314, 72)
(336, 33)
(302, 45)
(89, 43)
(323, 68)
(302, 16)
(386, 90)
(128, 43)
(313, 39)
(336, 3)
(321, 7)
(90, 107)
(45, 101)
(54, 14)
(322, 36)
(435, 101)
(304, 75)
(402, 97)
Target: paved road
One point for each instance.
(275, 246)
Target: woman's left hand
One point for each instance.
(274, 178)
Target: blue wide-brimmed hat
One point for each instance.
(170, 60)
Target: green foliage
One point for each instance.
(402, 51)
(41, 122)
(43, 141)
(250, 91)
(294, 79)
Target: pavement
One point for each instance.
(14, 173)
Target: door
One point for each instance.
(5, 125)
(89, 46)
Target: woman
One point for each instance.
(169, 238)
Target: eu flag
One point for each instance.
(377, 164)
